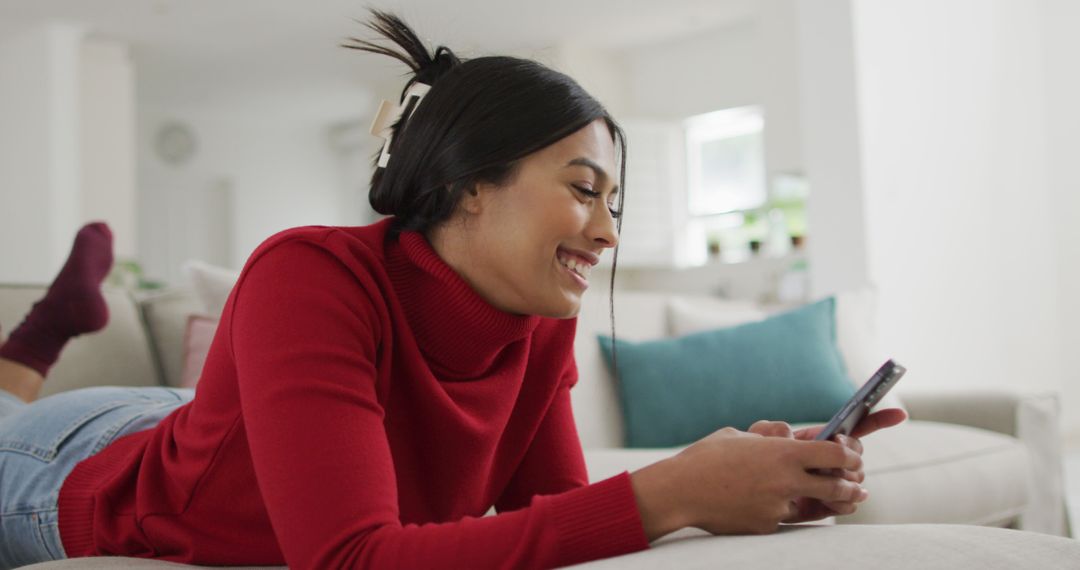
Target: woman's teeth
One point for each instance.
(581, 268)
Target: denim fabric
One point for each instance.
(41, 442)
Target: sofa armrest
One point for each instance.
(1034, 419)
(985, 409)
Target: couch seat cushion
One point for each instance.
(918, 472)
(931, 472)
(797, 547)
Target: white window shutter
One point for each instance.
(654, 211)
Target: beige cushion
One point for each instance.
(212, 284)
(797, 547)
(118, 355)
(687, 314)
(918, 472)
(166, 314)
(931, 472)
(854, 547)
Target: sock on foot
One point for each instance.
(72, 306)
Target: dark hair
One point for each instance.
(480, 117)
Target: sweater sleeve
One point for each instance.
(304, 335)
(554, 462)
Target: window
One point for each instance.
(725, 161)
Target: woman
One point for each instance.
(372, 391)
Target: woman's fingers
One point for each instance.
(839, 508)
(851, 443)
(828, 455)
(771, 429)
(832, 490)
(879, 420)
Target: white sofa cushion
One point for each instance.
(794, 547)
(212, 284)
(916, 472)
(854, 547)
(166, 314)
(934, 472)
(688, 314)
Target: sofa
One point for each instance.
(980, 472)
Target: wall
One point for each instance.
(836, 216)
(752, 62)
(951, 106)
(107, 117)
(1062, 65)
(39, 150)
(66, 103)
(269, 171)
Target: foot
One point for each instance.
(72, 306)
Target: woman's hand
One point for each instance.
(811, 509)
(738, 482)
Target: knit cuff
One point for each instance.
(597, 521)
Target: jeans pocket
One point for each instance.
(49, 535)
(41, 431)
(23, 543)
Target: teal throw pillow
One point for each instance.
(787, 367)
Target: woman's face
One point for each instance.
(511, 242)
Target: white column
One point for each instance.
(107, 98)
(836, 222)
(40, 199)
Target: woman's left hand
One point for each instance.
(812, 509)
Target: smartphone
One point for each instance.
(863, 401)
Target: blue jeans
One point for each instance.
(41, 442)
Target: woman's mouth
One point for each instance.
(575, 268)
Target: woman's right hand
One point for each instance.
(734, 482)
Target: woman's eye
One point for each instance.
(593, 194)
(586, 191)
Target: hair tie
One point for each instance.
(389, 113)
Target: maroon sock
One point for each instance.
(72, 306)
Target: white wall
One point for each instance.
(66, 152)
(1062, 65)
(40, 203)
(600, 72)
(951, 103)
(107, 115)
(751, 62)
(271, 171)
(836, 218)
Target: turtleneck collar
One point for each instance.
(457, 329)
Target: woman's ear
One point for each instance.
(474, 197)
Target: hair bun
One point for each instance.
(444, 61)
(427, 67)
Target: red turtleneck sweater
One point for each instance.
(361, 406)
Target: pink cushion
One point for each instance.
(198, 335)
